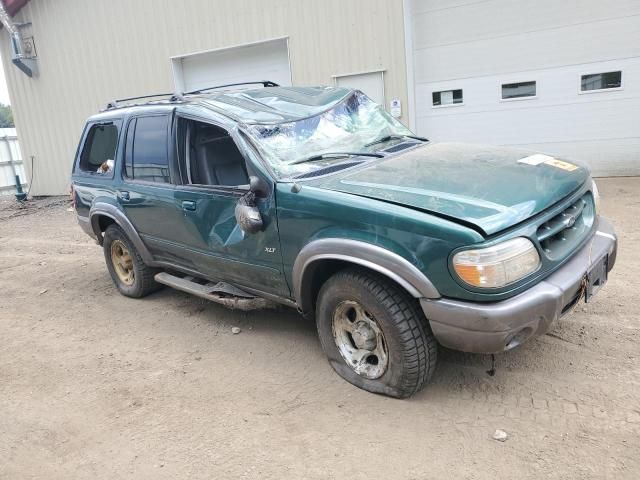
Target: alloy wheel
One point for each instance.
(360, 340)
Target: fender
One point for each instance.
(376, 258)
(123, 222)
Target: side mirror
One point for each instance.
(258, 186)
(248, 215)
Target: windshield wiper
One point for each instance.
(324, 156)
(386, 138)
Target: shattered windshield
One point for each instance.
(349, 126)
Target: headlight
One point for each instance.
(499, 265)
(596, 196)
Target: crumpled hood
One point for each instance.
(492, 188)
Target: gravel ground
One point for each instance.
(95, 385)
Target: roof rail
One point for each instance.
(173, 97)
(264, 83)
(114, 103)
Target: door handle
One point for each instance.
(125, 196)
(189, 205)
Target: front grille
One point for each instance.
(562, 233)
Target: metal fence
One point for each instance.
(11, 163)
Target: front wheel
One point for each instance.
(374, 334)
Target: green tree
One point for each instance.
(6, 116)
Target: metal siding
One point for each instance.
(477, 46)
(529, 50)
(90, 52)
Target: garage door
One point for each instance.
(268, 60)
(528, 75)
(369, 83)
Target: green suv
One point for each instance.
(317, 199)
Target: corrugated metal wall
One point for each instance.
(91, 51)
(478, 46)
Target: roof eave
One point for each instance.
(14, 6)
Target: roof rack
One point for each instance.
(264, 83)
(115, 103)
(173, 97)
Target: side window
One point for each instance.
(147, 152)
(99, 150)
(209, 155)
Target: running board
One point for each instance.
(223, 293)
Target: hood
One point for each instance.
(491, 188)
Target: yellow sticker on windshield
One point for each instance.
(554, 162)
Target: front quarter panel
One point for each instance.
(423, 240)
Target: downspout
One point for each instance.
(19, 59)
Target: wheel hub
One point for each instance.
(122, 262)
(360, 340)
(363, 336)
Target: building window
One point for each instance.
(99, 150)
(447, 97)
(600, 81)
(518, 90)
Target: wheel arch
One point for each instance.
(102, 215)
(318, 260)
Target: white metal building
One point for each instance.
(560, 77)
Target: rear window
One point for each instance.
(147, 154)
(99, 151)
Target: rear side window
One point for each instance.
(147, 149)
(99, 151)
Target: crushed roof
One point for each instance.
(272, 104)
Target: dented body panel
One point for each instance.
(491, 188)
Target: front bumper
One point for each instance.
(499, 326)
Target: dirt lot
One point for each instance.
(95, 385)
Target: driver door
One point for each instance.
(214, 176)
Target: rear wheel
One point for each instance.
(129, 273)
(374, 334)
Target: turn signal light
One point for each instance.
(498, 265)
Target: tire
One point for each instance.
(140, 282)
(403, 359)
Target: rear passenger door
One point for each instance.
(147, 193)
